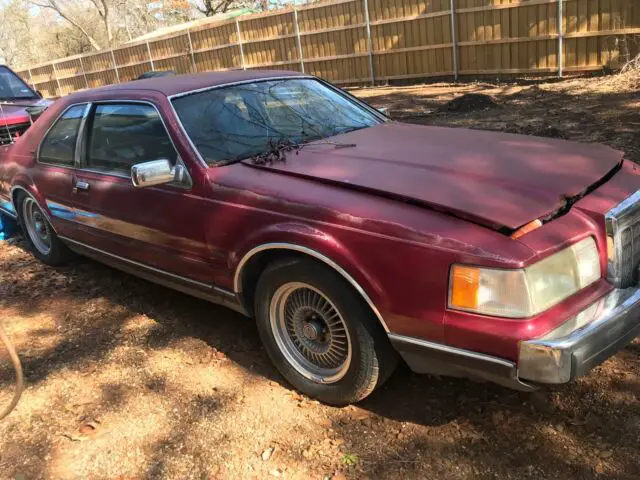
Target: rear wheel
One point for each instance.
(39, 234)
(319, 333)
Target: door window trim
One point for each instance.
(79, 160)
(76, 152)
(87, 131)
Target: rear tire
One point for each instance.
(39, 234)
(319, 332)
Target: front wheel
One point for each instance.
(39, 234)
(320, 334)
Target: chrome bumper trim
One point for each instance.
(584, 341)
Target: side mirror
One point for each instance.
(156, 172)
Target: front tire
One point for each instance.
(320, 334)
(39, 234)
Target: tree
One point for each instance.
(58, 8)
(210, 8)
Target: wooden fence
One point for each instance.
(369, 41)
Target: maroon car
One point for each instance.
(18, 104)
(353, 240)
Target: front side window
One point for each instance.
(12, 87)
(122, 135)
(59, 146)
(237, 122)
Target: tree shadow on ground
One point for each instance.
(414, 420)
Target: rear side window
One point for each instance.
(59, 146)
(125, 134)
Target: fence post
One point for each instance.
(454, 39)
(84, 73)
(369, 44)
(115, 66)
(560, 39)
(244, 67)
(55, 74)
(153, 67)
(193, 58)
(295, 20)
(31, 80)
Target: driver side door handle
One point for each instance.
(81, 185)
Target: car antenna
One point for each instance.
(6, 123)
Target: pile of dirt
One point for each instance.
(469, 102)
(535, 129)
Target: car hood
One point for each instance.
(14, 112)
(498, 180)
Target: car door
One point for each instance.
(158, 227)
(57, 159)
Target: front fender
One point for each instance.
(314, 243)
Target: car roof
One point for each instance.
(176, 84)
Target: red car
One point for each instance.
(353, 240)
(19, 103)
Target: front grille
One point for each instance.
(623, 230)
(8, 133)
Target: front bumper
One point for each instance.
(582, 342)
(569, 351)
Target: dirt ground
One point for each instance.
(127, 379)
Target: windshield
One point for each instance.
(12, 87)
(233, 123)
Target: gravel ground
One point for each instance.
(130, 380)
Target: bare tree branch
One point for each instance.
(53, 5)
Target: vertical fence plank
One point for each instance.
(153, 67)
(560, 38)
(369, 46)
(33, 85)
(115, 66)
(298, 42)
(454, 40)
(239, 42)
(55, 75)
(84, 73)
(193, 58)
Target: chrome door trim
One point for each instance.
(138, 264)
(237, 279)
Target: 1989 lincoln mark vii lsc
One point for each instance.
(353, 240)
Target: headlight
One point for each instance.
(525, 292)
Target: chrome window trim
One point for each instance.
(340, 92)
(83, 135)
(53, 124)
(231, 84)
(237, 278)
(77, 157)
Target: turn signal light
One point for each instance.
(529, 227)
